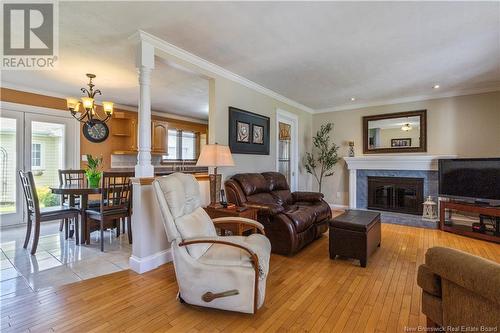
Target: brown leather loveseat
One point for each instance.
(291, 219)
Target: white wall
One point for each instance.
(463, 125)
(228, 93)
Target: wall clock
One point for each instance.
(95, 131)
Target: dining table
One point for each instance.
(83, 191)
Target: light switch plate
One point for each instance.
(84, 158)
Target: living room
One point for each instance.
(357, 146)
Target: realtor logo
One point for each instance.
(29, 31)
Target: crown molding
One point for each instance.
(13, 86)
(408, 99)
(205, 65)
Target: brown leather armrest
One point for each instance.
(307, 196)
(267, 209)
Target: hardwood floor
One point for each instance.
(307, 292)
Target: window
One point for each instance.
(172, 145)
(36, 155)
(188, 146)
(182, 145)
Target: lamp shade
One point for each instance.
(108, 107)
(215, 155)
(88, 102)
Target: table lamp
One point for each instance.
(215, 155)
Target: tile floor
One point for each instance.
(57, 261)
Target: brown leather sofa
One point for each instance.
(291, 219)
(459, 290)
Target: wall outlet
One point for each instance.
(84, 158)
(338, 195)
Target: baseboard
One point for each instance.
(337, 206)
(142, 265)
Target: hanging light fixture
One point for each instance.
(406, 127)
(88, 113)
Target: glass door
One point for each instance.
(11, 160)
(287, 147)
(38, 142)
(49, 146)
(284, 161)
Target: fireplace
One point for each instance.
(396, 194)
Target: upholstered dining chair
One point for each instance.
(222, 272)
(37, 215)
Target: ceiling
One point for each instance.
(319, 54)
(394, 122)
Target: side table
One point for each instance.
(236, 229)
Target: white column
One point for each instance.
(145, 63)
(352, 188)
(144, 168)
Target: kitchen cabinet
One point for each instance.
(159, 137)
(124, 132)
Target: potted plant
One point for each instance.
(93, 171)
(321, 161)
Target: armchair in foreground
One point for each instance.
(227, 273)
(460, 290)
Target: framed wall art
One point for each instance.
(403, 142)
(248, 132)
(258, 134)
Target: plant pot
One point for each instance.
(94, 180)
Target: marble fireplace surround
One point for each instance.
(419, 166)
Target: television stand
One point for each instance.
(463, 229)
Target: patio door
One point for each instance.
(41, 143)
(287, 147)
(11, 160)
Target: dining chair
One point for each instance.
(37, 215)
(114, 205)
(70, 177)
(128, 220)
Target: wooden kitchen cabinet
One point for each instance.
(159, 136)
(123, 128)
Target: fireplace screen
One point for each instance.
(396, 194)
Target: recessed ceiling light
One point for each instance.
(353, 99)
(436, 86)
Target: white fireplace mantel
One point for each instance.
(388, 162)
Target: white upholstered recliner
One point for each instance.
(228, 272)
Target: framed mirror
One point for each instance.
(402, 132)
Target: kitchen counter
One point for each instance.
(163, 171)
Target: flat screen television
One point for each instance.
(470, 179)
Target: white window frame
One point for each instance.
(41, 165)
(178, 153)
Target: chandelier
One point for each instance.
(406, 127)
(88, 114)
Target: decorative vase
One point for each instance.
(351, 148)
(94, 179)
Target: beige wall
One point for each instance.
(463, 125)
(387, 134)
(229, 93)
